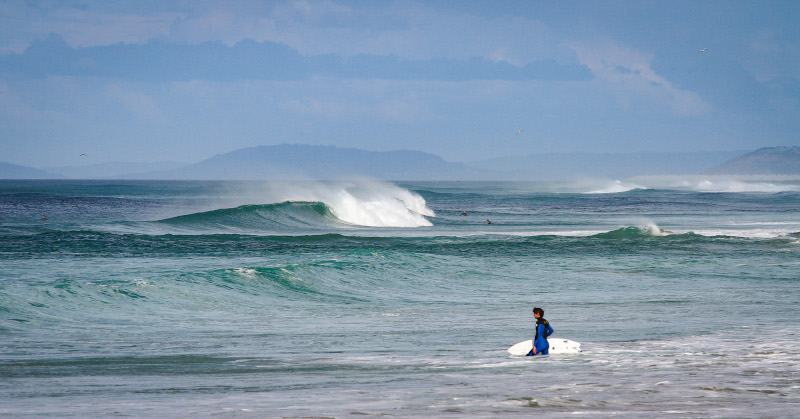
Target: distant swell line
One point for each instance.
(78, 244)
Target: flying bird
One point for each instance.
(83, 154)
(703, 50)
(517, 133)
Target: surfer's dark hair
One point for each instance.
(538, 310)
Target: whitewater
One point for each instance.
(369, 298)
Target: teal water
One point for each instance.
(337, 299)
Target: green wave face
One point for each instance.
(284, 215)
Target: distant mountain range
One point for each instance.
(14, 171)
(295, 161)
(764, 161)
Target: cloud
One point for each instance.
(193, 78)
(411, 30)
(629, 77)
(415, 31)
(161, 61)
(84, 23)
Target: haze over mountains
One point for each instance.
(294, 161)
(15, 171)
(764, 161)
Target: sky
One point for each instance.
(147, 81)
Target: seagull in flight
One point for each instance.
(517, 133)
(83, 154)
(703, 50)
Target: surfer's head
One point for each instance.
(539, 311)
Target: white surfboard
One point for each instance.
(557, 346)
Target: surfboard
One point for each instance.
(557, 346)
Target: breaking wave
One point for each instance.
(317, 204)
(722, 184)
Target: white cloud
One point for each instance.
(627, 75)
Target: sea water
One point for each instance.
(350, 298)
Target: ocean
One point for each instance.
(366, 298)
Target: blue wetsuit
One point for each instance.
(543, 330)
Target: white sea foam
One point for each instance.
(364, 202)
(655, 230)
(695, 183)
(752, 234)
(379, 205)
(616, 186)
(246, 272)
(766, 184)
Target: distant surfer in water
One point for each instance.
(489, 222)
(464, 214)
(44, 218)
(543, 330)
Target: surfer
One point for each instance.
(44, 218)
(543, 330)
(489, 222)
(464, 214)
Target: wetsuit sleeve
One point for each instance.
(549, 330)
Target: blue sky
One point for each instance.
(145, 81)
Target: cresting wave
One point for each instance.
(380, 205)
(319, 204)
